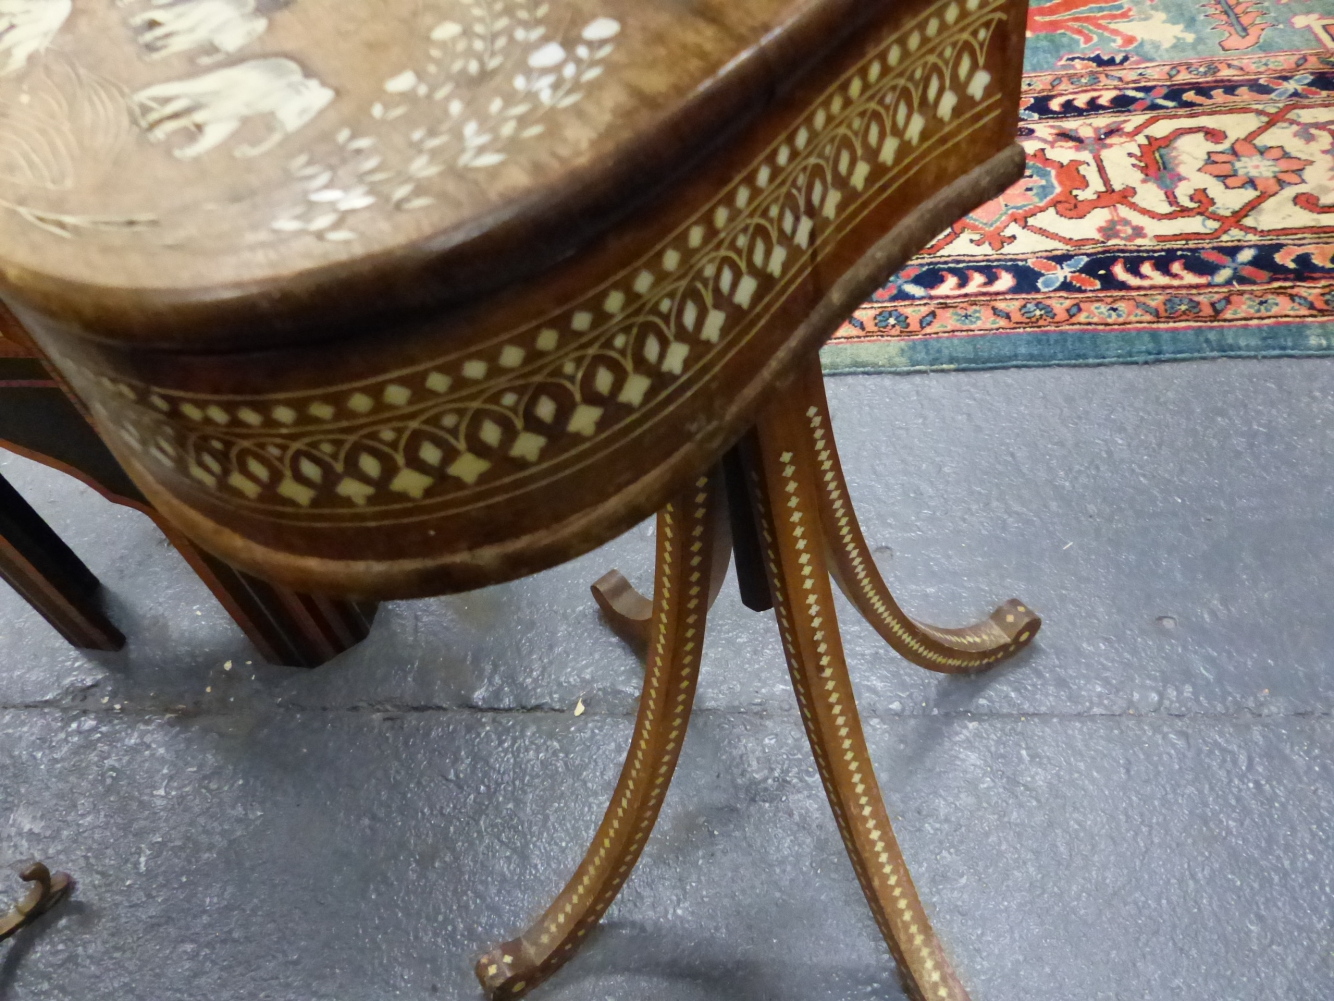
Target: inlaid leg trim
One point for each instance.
(46, 891)
(789, 518)
(687, 530)
(1009, 629)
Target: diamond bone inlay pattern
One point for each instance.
(517, 405)
(808, 628)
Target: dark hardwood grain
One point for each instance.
(37, 564)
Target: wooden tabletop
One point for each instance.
(224, 172)
(337, 366)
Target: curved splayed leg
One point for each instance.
(687, 536)
(1008, 629)
(627, 612)
(46, 891)
(789, 519)
(630, 615)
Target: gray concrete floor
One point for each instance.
(1138, 808)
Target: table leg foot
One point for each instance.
(47, 890)
(788, 511)
(629, 614)
(687, 538)
(966, 650)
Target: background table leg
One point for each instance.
(287, 627)
(50, 577)
(687, 536)
(965, 650)
(781, 475)
(627, 612)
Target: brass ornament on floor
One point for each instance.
(47, 890)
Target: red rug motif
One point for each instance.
(1171, 209)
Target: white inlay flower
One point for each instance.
(402, 83)
(496, 73)
(602, 29)
(551, 54)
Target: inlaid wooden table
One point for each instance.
(389, 299)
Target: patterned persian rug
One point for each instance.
(1179, 200)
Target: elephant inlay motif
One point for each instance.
(478, 81)
(214, 106)
(27, 27)
(223, 26)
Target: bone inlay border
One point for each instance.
(523, 406)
